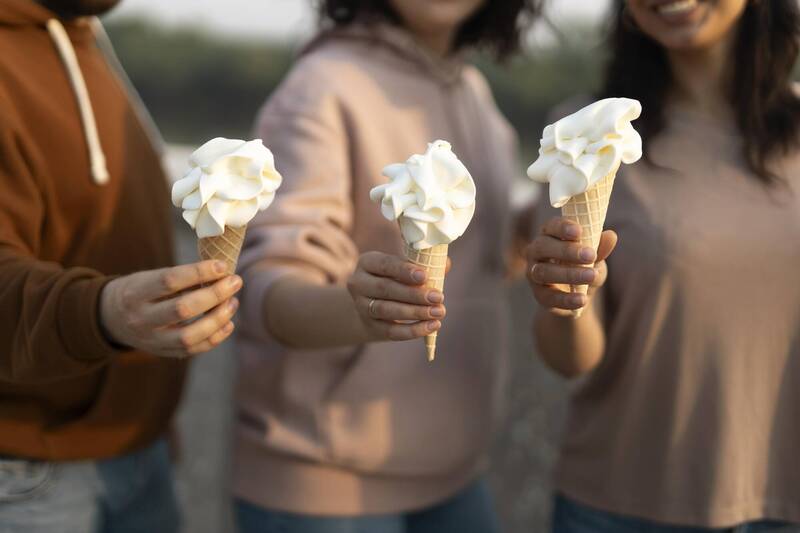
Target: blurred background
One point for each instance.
(204, 67)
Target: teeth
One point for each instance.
(676, 8)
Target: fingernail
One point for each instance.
(587, 255)
(571, 231)
(418, 276)
(433, 325)
(587, 276)
(437, 312)
(435, 297)
(220, 267)
(234, 304)
(229, 327)
(235, 282)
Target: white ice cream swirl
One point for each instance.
(229, 181)
(432, 196)
(579, 150)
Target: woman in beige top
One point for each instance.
(338, 430)
(687, 417)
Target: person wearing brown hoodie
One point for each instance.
(94, 324)
(338, 430)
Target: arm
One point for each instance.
(52, 317)
(570, 346)
(308, 287)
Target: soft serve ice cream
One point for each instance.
(580, 156)
(229, 181)
(432, 196)
(580, 150)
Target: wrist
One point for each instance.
(104, 317)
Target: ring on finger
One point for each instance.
(532, 273)
(371, 307)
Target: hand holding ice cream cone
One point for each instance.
(579, 157)
(228, 183)
(432, 197)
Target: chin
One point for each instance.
(686, 24)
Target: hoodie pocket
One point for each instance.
(394, 413)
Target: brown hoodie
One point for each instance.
(373, 428)
(66, 393)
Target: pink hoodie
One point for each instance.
(373, 428)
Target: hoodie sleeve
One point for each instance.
(49, 326)
(306, 233)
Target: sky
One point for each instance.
(283, 20)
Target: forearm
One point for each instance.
(309, 316)
(50, 324)
(570, 346)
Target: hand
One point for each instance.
(557, 260)
(155, 311)
(391, 299)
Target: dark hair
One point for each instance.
(497, 27)
(759, 87)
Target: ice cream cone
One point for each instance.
(589, 209)
(434, 262)
(225, 247)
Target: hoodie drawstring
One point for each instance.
(96, 156)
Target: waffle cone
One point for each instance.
(589, 210)
(434, 262)
(225, 247)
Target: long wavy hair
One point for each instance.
(759, 86)
(497, 27)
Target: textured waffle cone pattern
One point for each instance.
(225, 247)
(434, 262)
(589, 210)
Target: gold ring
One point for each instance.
(372, 307)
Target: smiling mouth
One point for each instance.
(678, 7)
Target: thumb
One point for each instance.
(608, 241)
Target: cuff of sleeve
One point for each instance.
(257, 284)
(79, 322)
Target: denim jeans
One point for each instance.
(471, 511)
(128, 494)
(570, 516)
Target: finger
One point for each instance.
(545, 248)
(388, 310)
(379, 288)
(552, 298)
(602, 274)
(394, 267)
(167, 281)
(608, 241)
(192, 304)
(404, 332)
(448, 266)
(204, 328)
(213, 341)
(562, 228)
(552, 274)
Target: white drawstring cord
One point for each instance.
(96, 156)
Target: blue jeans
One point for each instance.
(570, 516)
(471, 511)
(128, 494)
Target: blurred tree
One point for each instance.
(199, 86)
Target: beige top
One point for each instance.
(693, 416)
(374, 428)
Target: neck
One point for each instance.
(439, 44)
(701, 79)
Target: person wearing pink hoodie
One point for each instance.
(339, 429)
